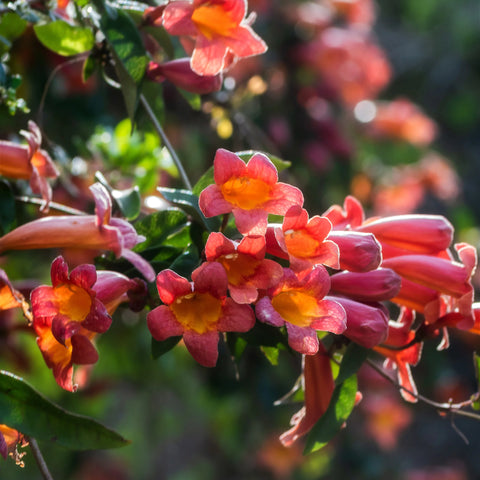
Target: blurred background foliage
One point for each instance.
(191, 423)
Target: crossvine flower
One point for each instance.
(219, 29)
(198, 311)
(250, 191)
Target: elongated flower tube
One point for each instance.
(180, 73)
(198, 311)
(305, 240)
(367, 325)
(29, 162)
(400, 335)
(318, 385)
(66, 317)
(98, 232)
(374, 286)
(299, 304)
(247, 268)
(250, 191)
(219, 28)
(448, 277)
(422, 234)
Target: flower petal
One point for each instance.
(203, 347)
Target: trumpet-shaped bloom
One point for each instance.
(29, 162)
(66, 318)
(348, 217)
(10, 440)
(198, 311)
(219, 29)
(305, 240)
(400, 335)
(245, 264)
(250, 191)
(180, 73)
(97, 232)
(318, 385)
(367, 325)
(299, 304)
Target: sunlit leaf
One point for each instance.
(129, 202)
(339, 409)
(271, 353)
(29, 412)
(65, 39)
(186, 200)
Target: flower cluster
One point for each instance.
(331, 273)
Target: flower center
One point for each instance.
(246, 193)
(213, 20)
(73, 301)
(239, 267)
(199, 312)
(296, 307)
(300, 244)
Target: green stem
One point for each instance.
(52, 205)
(37, 454)
(166, 141)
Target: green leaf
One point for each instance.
(280, 164)
(128, 53)
(159, 227)
(188, 201)
(29, 412)
(352, 360)
(193, 99)
(162, 37)
(160, 348)
(339, 409)
(204, 181)
(271, 353)
(65, 39)
(11, 27)
(89, 67)
(7, 207)
(129, 202)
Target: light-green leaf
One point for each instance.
(339, 409)
(65, 39)
(29, 412)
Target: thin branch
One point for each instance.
(454, 408)
(76, 59)
(37, 454)
(52, 205)
(166, 141)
